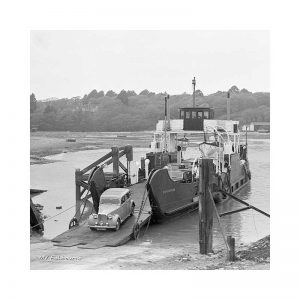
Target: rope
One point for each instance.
(52, 217)
(84, 200)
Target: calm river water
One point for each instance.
(58, 179)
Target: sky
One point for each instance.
(72, 63)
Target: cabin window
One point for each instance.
(236, 185)
(194, 116)
(205, 114)
(182, 114)
(187, 114)
(200, 114)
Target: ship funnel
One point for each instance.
(228, 105)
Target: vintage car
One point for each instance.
(115, 207)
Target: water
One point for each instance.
(58, 178)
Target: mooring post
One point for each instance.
(129, 157)
(205, 207)
(115, 160)
(231, 243)
(78, 178)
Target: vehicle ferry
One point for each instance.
(173, 180)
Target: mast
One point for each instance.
(194, 87)
(228, 106)
(167, 122)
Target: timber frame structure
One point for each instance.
(113, 157)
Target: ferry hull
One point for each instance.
(169, 197)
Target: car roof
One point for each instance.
(115, 192)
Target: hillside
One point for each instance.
(140, 112)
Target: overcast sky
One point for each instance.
(72, 63)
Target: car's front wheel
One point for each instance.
(118, 225)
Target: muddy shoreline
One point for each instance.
(143, 256)
(43, 144)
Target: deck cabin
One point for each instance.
(193, 117)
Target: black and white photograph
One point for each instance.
(146, 154)
(153, 147)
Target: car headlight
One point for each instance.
(95, 216)
(109, 217)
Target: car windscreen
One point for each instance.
(108, 200)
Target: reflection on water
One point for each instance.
(246, 226)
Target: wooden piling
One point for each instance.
(115, 160)
(205, 206)
(78, 178)
(231, 243)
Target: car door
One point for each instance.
(123, 209)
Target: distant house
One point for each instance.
(256, 126)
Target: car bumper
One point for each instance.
(103, 226)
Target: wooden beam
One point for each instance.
(205, 207)
(234, 211)
(83, 190)
(78, 176)
(115, 158)
(122, 167)
(97, 162)
(245, 203)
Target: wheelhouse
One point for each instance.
(193, 117)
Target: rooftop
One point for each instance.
(116, 192)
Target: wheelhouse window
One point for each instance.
(187, 115)
(199, 114)
(205, 114)
(194, 114)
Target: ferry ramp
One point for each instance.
(82, 237)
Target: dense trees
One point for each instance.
(111, 93)
(32, 103)
(123, 96)
(129, 112)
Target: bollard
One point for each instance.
(231, 243)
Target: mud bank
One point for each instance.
(145, 256)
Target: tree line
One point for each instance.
(129, 111)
